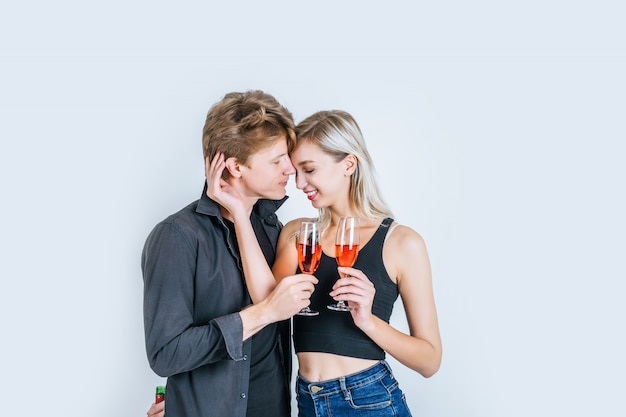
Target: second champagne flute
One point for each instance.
(346, 250)
(309, 254)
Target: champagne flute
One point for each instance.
(309, 254)
(346, 250)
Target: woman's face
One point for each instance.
(325, 181)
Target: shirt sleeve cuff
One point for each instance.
(232, 329)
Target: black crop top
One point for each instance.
(333, 331)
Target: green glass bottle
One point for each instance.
(160, 394)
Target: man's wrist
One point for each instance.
(254, 318)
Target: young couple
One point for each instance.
(221, 281)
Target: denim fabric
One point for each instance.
(373, 392)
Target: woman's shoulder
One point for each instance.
(404, 249)
(402, 236)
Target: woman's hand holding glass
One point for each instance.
(346, 250)
(356, 288)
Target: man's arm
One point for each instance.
(173, 343)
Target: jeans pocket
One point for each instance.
(373, 396)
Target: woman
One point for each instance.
(335, 171)
(342, 369)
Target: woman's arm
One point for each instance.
(286, 262)
(406, 259)
(259, 278)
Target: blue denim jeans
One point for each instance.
(373, 392)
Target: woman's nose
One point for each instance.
(300, 182)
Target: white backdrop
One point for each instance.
(497, 129)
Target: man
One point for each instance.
(225, 352)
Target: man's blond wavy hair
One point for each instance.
(242, 124)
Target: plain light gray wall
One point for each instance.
(497, 129)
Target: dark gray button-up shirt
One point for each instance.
(193, 292)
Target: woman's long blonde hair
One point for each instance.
(338, 134)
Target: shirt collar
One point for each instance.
(265, 208)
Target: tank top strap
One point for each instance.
(386, 222)
(374, 246)
(384, 228)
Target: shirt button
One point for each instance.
(245, 357)
(243, 395)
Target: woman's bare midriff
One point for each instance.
(316, 366)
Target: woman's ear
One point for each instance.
(350, 162)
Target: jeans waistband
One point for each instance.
(342, 383)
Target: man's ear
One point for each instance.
(350, 162)
(233, 167)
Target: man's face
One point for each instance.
(267, 172)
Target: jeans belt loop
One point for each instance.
(344, 389)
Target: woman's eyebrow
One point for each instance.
(308, 161)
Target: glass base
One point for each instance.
(340, 306)
(307, 312)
